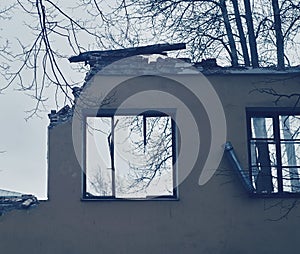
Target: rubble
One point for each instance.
(61, 116)
(8, 203)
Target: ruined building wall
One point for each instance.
(218, 217)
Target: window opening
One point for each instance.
(274, 150)
(130, 156)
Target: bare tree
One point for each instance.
(231, 41)
(49, 26)
(252, 39)
(242, 36)
(279, 34)
(5, 53)
(155, 147)
(222, 29)
(216, 28)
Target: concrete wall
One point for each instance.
(218, 217)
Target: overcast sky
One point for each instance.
(23, 165)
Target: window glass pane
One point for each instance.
(265, 181)
(289, 127)
(274, 179)
(262, 127)
(290, 153)
(263, 153)
(98, 160)
(263, 162)
(291, 180)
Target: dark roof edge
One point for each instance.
(120, 53)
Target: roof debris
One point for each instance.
(61, 116)
(109, 56)
(8, 203)
(97, 60)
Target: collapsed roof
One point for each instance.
(109, 56)
(97, 60)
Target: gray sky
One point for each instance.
(23, 166)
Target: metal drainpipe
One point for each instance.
(238, 168)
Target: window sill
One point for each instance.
(101, 199)
(275, 195)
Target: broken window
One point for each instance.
(274, 150)
(129, 156)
